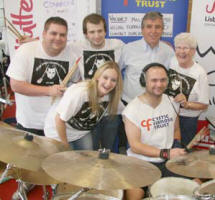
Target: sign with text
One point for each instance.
(127, 24)
(124, 18)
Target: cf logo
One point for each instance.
(146, 123)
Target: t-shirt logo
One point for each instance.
(85, 119)
(49, 72)
(179, 83)
(146, 124)
(94, 59)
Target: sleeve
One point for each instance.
(71, 102)
(130, 113)
(18, 68)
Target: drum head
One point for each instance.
(173, 186)
(205, 191)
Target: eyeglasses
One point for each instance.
(182, 48)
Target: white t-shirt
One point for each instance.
(156, 124)
(194, 85)
(31, 64)
(134, 57)
(92, 58)
(74, 109)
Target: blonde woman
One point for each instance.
(83, 105)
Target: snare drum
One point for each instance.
(64, 191)
(205, 191)
(173, 186)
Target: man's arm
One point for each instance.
(29, 89)
(134, 138)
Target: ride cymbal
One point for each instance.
(26, 152)
(198, 164)
(86, 169)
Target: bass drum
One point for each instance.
(205, 191)
(64, 191)
(173, 186)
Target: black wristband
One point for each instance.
(165, 154)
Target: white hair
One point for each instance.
(186, 38)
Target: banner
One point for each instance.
(28, 16)
(203, 28)
(124, 17)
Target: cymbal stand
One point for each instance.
(78, 194)
(21, 190)
(4, 174)
(45, 193)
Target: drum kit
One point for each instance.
(98, 174)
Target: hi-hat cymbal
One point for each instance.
(14, 149)
(39, 177)
(85, 169)
(198, 164)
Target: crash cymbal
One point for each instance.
(86, 169)
(26, 152)
(39, 177)
(198, 164)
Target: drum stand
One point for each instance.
(73, 197)
(78, 194)
(21, 189)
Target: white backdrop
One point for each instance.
(28, 16)
(203, 28)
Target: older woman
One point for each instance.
(188, 84)
(83, 106)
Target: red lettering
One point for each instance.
(211, 10)
(125, 3)
(24, 19)
(25, 6)
(146, 123)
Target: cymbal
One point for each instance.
(39, 177)
(14, 149)
(85, 169)
(198, 164)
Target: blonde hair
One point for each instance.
(114, 95)
(186, 38)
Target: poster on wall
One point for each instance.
(124, 18)
(202, 26)
(28, 16)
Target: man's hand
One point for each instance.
(177, 152)
(56, 90)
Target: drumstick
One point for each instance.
(68, 76)
(71, 72)
(204, 131)
(13, 29)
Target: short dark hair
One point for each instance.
(55, 20)
(152, 16)
(94, 19)
(146, 68)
